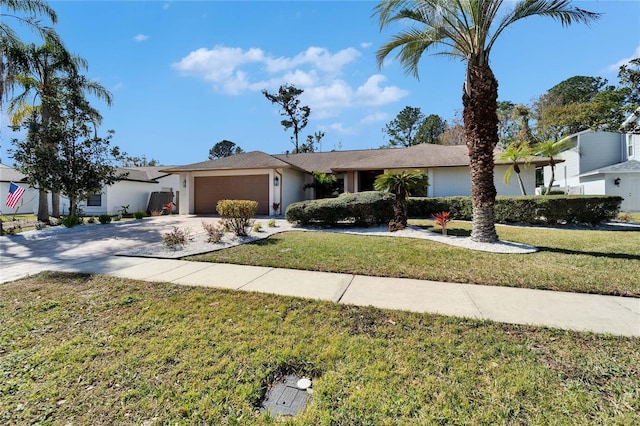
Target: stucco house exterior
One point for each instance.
(26, 203)
(601, 163)
(280, 179)
(134, 190)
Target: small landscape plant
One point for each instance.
(237, 215)
(91, 220)
(139, 215)
(624, 217)
(257, 227)
(104, 219)
(71, 221)
(271, 223)
(214, 231)
(442, 219)
(177, 238)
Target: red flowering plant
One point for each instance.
(442, 219)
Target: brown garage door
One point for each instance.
(210, 189)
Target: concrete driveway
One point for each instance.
(59, 248)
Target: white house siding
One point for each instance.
(599, 149)
(589, 151)
(292, 184)
(450, 181)
(567, 171)
(527, 174)
(456, 181)
(27, 204)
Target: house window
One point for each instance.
(95, 200)
(629, 146)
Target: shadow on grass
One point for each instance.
(623, 256)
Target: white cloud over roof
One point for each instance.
(316, 70)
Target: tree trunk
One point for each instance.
(43, 206)
(553, 177)
(479, 102)
(55, 204)
(524, 192)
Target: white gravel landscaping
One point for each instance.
(199, 244)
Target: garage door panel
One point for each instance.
(210, 189)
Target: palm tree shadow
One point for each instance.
(456, 232)
(624, 256)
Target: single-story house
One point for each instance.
(276, 181)
(601, 163)
(28, 200)
(133, 191)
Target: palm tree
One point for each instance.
(401, 184)
(468, 29)
(551, 149)
(8, 38)
(43, 70)
(520, 149)
(515, 154)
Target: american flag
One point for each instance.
(15, 192)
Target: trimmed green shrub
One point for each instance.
(272, 223)
(104, 219)
(364, 208)
(140, 215)
(257, 227)
(71, 221)
(237, 215)
(548, 209)
(423, 207)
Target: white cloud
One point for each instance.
(316, 57)
(615, 67)
(318, 71)
(366, 45)
(341, 130)
(141, 37)
(371, 94)
(117, 87)
(376, 117)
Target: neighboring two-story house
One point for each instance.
(602, 163)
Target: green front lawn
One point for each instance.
(100, 350)
(605, 262)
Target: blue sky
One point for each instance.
(187, 74)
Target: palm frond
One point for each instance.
(560, 10)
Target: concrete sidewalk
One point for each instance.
(571, 311)
(91, 249)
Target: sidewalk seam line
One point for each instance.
(466, 291)
(259, 276)
(345, 289)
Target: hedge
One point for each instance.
(364, 208)
(549, 209)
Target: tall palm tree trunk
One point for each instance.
(479, 102)
(43, 206)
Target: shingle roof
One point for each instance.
(247, 160)
(631, 166)
(9, 174)
(418, 156)
(325, 162)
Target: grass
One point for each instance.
(589, 261)
(97, 350)
(7, 218)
